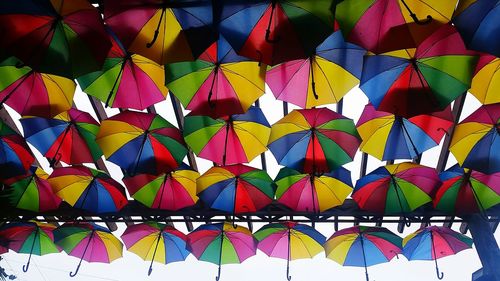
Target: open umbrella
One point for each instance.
(362, 246)
(315, 140)
(486, 82)
(15, 155)
(89, 242)
(290, 241)
(434, 242)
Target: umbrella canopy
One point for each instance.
(89, 242)
(313, 192)
(156, 242)
(68, 137)
(218, 83)
(399, 137)
(290, 241)
(230, 139)
(65, 38)
(88, 189)
(486, 81)
(29, 92)
(475, 141)
(141, 143)
(15, 155)
(168, 191)
(274, 31)
(315, 140)
(434, 242)
(323, 78)
(222, 243)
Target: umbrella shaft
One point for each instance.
(16, 87)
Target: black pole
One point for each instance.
(228, 125)
(313, 83)
(364, 255)
(71, 274)
(140, 152)
(120, 73)
(157, 31)
(439, 275)
(154, 253)
(268, 30)
(234, 200)
(54, 160)
(210, 93)
(220, 253)
(37, 233)
(162, 186)
(288, 277)
(403, 212)
(427, 20)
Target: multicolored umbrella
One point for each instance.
(141, 143)
(163, 31)
(230, 139)
(465, 191)
(315, 140)
(29, 238)
(486, 82)
(290, 241)
(68, 137)
(29, 92)
(145, 239)
(313, 192)
(222, 243)
(168, 191)
(434, 242)
(388, 137)
(412, 82)
(363, 246)
(475, 141)
(89, 242)
(126, 80)
(218, 83)
(15, 155)
(30, 191)
(88, 189)
(64, 38)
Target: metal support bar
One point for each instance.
(486, 246)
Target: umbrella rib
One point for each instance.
(330, 190)
(430, 7)
(328, 80)
(303, 63)
(238, 74)
(242, 129)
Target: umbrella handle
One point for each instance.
(268, 37)
(218, 274)
(418, 21)
(73, 274)
(439, 274)
(26, 266)
(288, 277)
(155, 36)
(150, 270)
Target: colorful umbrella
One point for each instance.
(230, 139)
(290, 241)
(89, 242)
(65, 38)
(486, 82)
(274, 31)
(434, 242)
(163, 31)
(218, 83)
(141, 143)
(313, 192)
(15, 155)
(88, 189)
(222, 243)
(315, 140)
(30, 191)
(388, 137)
(475, 141)
(168, 191)
(68, 137)
(29, 238)
(412, 82)
(323, 78)
(33, 93)
(362, 246)
(144, 240)
(465, 191)
(126, 80)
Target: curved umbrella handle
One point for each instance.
(26, 266)
(150, 270)
(439, 274)
(218, 273)
(418, 21)
(268, 37)
(288, 277)
(155, 36)
(73, 274)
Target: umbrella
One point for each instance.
(399, 137)
(313, 192)
(163, 31)
(314, 140)
(410, 82)
(274, 31)
(126, 80)
(362, 246)
(145, 239)
(290, 241)
(222, 243)
(230, 139)
(15, 155)
(168, 191)
(475, 141)
(30, 191)
(141, 143)
(465, 191)
(29, 238)
(218, 83)
(88, 189)
(323, 78)
(29, 92)
(68, 137)
(486, 82)
(89, 242)
(434, 242)
(64, 38)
